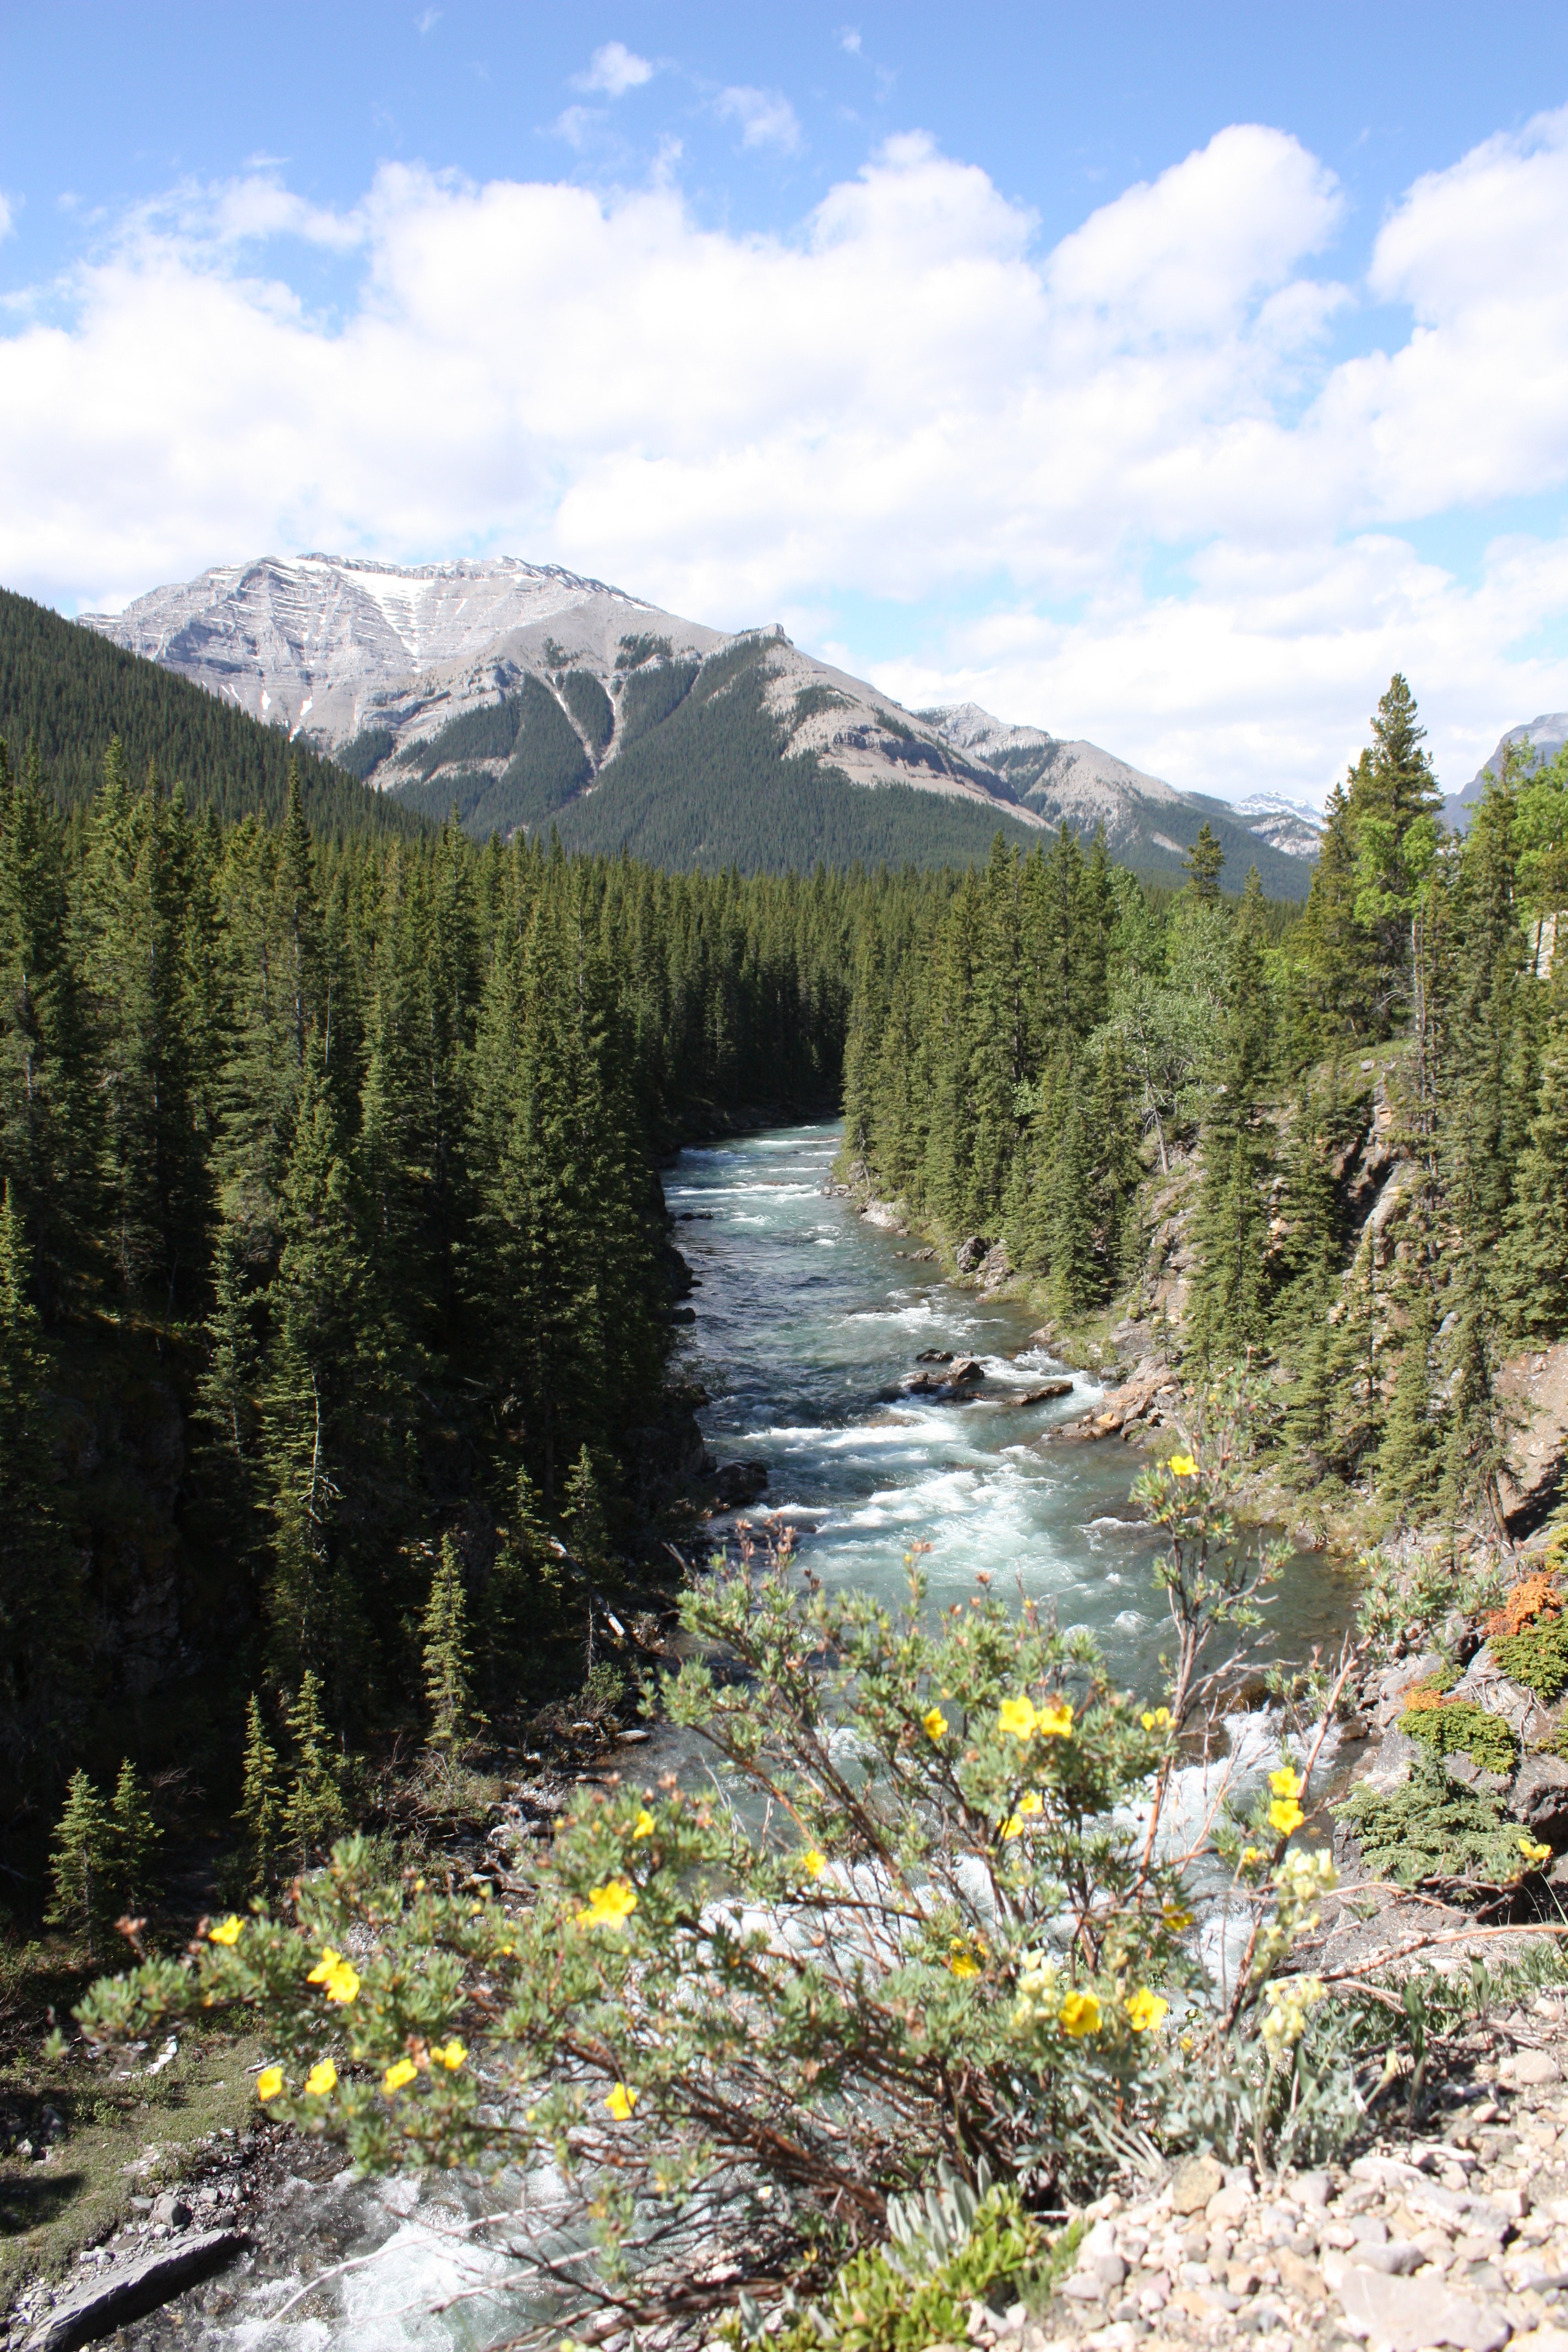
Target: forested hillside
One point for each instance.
(68, 694)
(332, 1236)
(1048, 1058)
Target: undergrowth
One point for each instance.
(1431, 1827)
(1458, 1728)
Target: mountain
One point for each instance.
(523, 695)
(1148, 822)
(69, 693)
(1545, 736)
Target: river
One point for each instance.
(807, 1319)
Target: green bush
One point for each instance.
(1432, 1828)
(1538, 1659)
(949, 2250)
(1460, 1729)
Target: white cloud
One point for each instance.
(427, 21)
(615, 70)
(765, 116)
(850, 39)
(1124, 475)
(6, 218)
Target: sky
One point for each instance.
(1167, 375)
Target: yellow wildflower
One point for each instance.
(1144, 2009)
(1534, 1853)
(1016, 1717)
(321, 2080)
(621, 2102)
(1286, 1782)
(1079, 2015)
(395, 2076)
(451, 2057)
(1182, 1465)
(608, 1906)
(1175, 1918)
(269, 2081)
(966, 1959)
(1251, 1854)
(1285, 1815)
(643, 1825)
(1158, 1720)
(934, 1724)
(1054, 1720)
(228, 1931)
(340, 1977)
(813, 1862)
(1029, 1802)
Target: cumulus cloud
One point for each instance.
(615, 70)
(1120, 485)
(765, 116)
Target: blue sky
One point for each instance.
(1163, 374)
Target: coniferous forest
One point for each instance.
(337, 1287)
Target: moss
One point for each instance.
(1538, 1659)
(1431, 1827)
(1460, 1729)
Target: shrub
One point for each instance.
(928, 1909)
(1538, 1659)
(1456, 1727)
(950, 2249)
(1432, 1828)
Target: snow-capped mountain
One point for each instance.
(512, 687)
(1545, 736)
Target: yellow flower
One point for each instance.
(1534, 1853)
(1286, 1782)
(1157, 1720)
(1055, 1719)
(966, 1959)
(269, 2081)
(934, 1724)
(621, 2102)
(1080, 2015)
(643, 1825)
(1016, 1717)
(1176, 1919)
(1182, 1465)
(395, 2076)
(451, 2057)
(228, 1931)
(608, 1906)
(813, 1862)
(1144, 2009)
(1285, 1815)
(321, 2080)
(1029, 1802)
(1252, 1853)
(340, 1977)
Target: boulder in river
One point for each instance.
(934, 1356)
(972, 1253)
(1044, 1394)
(736, 1484)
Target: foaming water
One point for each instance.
(802, 1351)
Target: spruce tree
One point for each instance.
(260, 1809)
(81, 1865)
(1534, 1272)
(448, 1668)
(135, 1837)
(1409, 1453)
(585, 1516)
(313, 1808)
(1203, 862)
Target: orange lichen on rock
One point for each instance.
(1423, 1695)
(1533, 1597)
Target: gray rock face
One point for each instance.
(132, 2289)
(1540, 1798)
(1405, 2314)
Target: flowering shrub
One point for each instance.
(926, 1907)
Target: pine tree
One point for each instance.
(1409, 1453)
(1078, 1272)
(41, 1629)
(1535, 1265)
(135, 1838)
(261, 1811)
(448, 1668)
(313, 1809)
(1204, 861)
(1231, 1226)
(585, 1516)
(81, 1864)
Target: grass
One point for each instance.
(126, 2132)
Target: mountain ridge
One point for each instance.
(514, 691)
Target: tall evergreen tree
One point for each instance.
(448, 1667)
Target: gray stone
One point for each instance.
(1196, 2181)
(1393, 2260)
(1540, 1797)
(1398, 2315)
(1536, 2065)
(130, 2289)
